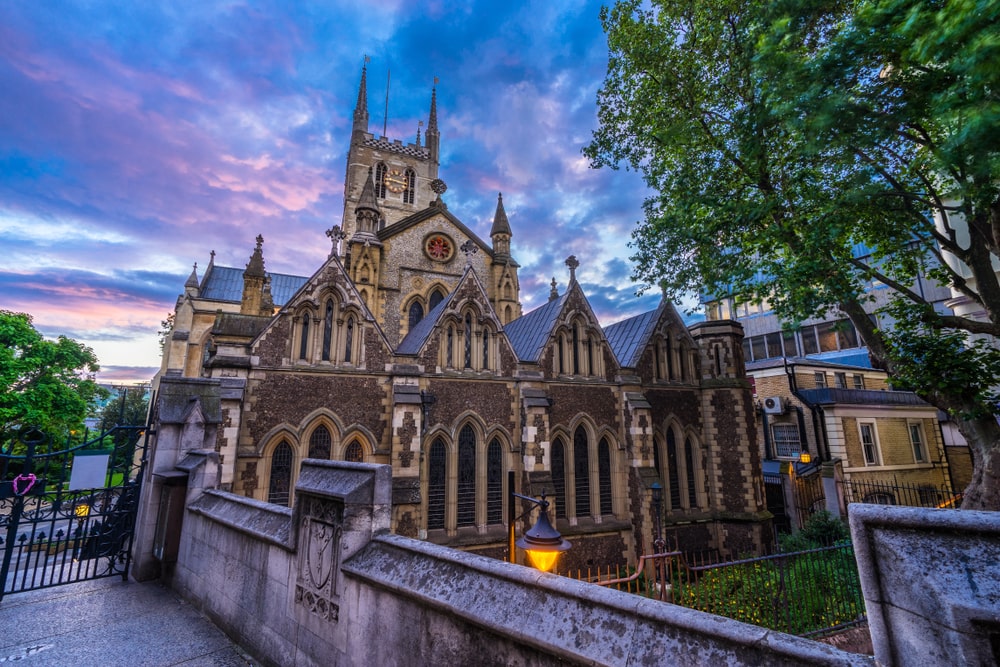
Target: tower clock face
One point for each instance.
(439, 247)
(395, 180)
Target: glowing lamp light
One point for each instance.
(805, 457)
(542, 543)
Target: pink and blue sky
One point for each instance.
(136, 137)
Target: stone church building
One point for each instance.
(408, 346)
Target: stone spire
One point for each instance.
(361, 108)
(500, 223)
(553, 293)
(191, 285)
(255, 267)
(367, 212)
(432, 134)
(255, 284)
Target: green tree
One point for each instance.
(780, 137)
(43, 383)
(128, 408)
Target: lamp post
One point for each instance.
(542, 542)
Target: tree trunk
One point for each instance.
(983, 436)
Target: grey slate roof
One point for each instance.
(528, 333)
(628, 338)
(225, 283)
(418, 335)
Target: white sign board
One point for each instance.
(90, 470)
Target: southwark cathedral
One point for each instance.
(408, 346)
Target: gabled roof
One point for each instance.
(389, 231)
(629, 337)
(528, 333)
(225, 283)
(417, 336)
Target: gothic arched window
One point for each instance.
(416, 314)
(327, 330)
(604, 476)
(486, 349)
(279, 484)
(436, 298)
(354, 452)
(411, 186)
(494, 482)
(380, 180)
(692, 488)
(673, 477)
(319, 443)
(468, 340)
(304, 339)
(576, 350)
(559, 477)
(466, 515)
(350, 339)
(581, 472)
(437, 477)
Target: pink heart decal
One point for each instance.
(29, 478)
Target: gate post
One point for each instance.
(791, 497)
(833, 484)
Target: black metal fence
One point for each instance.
(893, 492)
(807, 593)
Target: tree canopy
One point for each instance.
(802, 152)
(43, 383)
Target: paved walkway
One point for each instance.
(107, 623)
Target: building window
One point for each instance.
(468, 340)
(467, 477)
(280, 481)
(494, 483)
(820, 380)
(304, 339)
(869, 442)
(354, 453)
(327, 330)
(917, 442)
(486, 349)
(350, 340)
(692, 487)
(786, 440)
(604, 477)
(673, 474)
(437, 476)
(411, 186)
(840, 380)
(559, 477)
(436, 298)
(416, 314)
(319, 443)
(380, 171)
(859, 381)
(581, 472)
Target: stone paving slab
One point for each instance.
(111, 623)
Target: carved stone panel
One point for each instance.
(321, 529)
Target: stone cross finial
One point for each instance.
(260, 241)
(336, 235)
(470, 249)
(553, 293)
(572, 263)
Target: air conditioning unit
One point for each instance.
(774, 405)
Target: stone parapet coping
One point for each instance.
(264, 521)
(572, 620)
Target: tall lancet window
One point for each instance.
(380, 180)
(350, 339)
(327, 330)
(468, 340)
(416, 314)
(304, 342)
(411, 186)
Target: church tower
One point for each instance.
(504, 288)
(402, 173)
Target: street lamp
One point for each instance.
(542, 543)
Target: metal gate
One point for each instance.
(67, 513)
